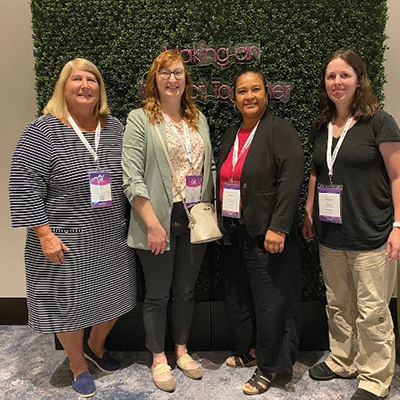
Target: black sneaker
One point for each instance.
(321, 372)
(361, 394)
(105, 364)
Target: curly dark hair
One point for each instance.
(364, 103)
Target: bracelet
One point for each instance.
(396, 224)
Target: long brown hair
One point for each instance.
(364, 103)
(152, 105)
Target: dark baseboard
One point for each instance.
(210, 328)
(13, 311)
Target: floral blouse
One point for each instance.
(179, 156)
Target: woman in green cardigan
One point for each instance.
(159, 226)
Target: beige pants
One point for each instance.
(359, 285)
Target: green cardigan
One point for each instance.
(146, 173)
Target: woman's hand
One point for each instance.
(307, 230)
(52, 246)
(393, 245)
(274, 241)
(156, 235)
(156, 238)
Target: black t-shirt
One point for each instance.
(367, 208)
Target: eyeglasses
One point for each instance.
(166, 73)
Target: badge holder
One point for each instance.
(330, 203)
(100, 189)
(231, 200)
(193, 190)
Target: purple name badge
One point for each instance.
(231, 200)
(193, 189)
(329, 199)
(100, 189)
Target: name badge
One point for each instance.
(231, 200)
(100, 189)
(193, 189)
(330, 203)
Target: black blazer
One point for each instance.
(272, 175)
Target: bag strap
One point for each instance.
(191, 219)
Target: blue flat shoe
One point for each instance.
(106, 363)
(84, 385)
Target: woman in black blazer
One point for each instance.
(260, 173)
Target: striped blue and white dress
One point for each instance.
(49, 184)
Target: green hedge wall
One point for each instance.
(122, 37)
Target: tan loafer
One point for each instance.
(167, 386)
(195, 373)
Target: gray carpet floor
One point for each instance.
(30, 368)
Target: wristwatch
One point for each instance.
(396, 224)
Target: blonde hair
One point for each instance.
(152, 104)
(58, 106)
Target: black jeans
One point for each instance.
(262, 293)
(174, 271)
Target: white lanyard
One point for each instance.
(331, 158)
(235, 155)
(185, 142)
(85, 142)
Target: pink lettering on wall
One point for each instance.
(200, 53)
(220, 91)
(215, 89)
(279, 91)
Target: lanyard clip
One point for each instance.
(330, 176)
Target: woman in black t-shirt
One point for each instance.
(353, 207)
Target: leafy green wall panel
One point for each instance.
(122, 37)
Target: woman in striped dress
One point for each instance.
(66, 188)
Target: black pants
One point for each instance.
(174, 271)
(262, 293)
